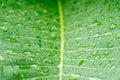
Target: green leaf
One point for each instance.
(59, 40)
(29, 40)
(95, 25)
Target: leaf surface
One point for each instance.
(29, 40)
(59, 40)
(92, 44)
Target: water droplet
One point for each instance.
(81, 62)
(3, 5)
(73, 78)
(39, 41)
(95, 53)
(118, 36)
(1, 58)
(27, 52)
(104, 58)
(113, 67)
(36, 67)
(89, 57)
(108, 33)
(38, 21)
(4, 28)
(24, 66)
(106, 52)
(112, 59)
(27, 42)
(109, 45)
(105, 29)
(99, 38)
(22, 58)
(48, 60)
(97, 22)
(45, 71)
(107, 65)
(112, 26)
(53, 35)
(45, 11)
(15, 73)
(38, 78)
(11, 52)
(94, 78)
(13, 39)
(8, 51)
(94, 44)
(22, 76)
(97, 58)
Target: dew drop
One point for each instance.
(97, 58)
(108, 33)
(95, 53)
(97, 22)
(48, 60)
(8, 51)
(94, 44)
(11, 52)
(73, 78)
(38, 21)
(27, 42)
(38, 78)
(13, 39)
(36, 67)
(27, 53)
(89, 57)
(94, 78)
(112, 59)
(22, 58)
(52, 35)
(112, 26)
(113, 67)
(39, 41)
(4, 28)
(22, 76)
(45, 11)
(118, 36)
(3, 5)
(1, 58)
(81, 62)
(107, 65)
(106, 52)
(45, 71)
(15, 73)
(24, 66)
(109, 45)
(104, 58)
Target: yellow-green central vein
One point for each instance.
(62, 39)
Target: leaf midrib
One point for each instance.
(62, 38)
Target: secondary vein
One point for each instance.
(62, 38)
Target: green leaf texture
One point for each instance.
(59, 40)
(29, 40)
